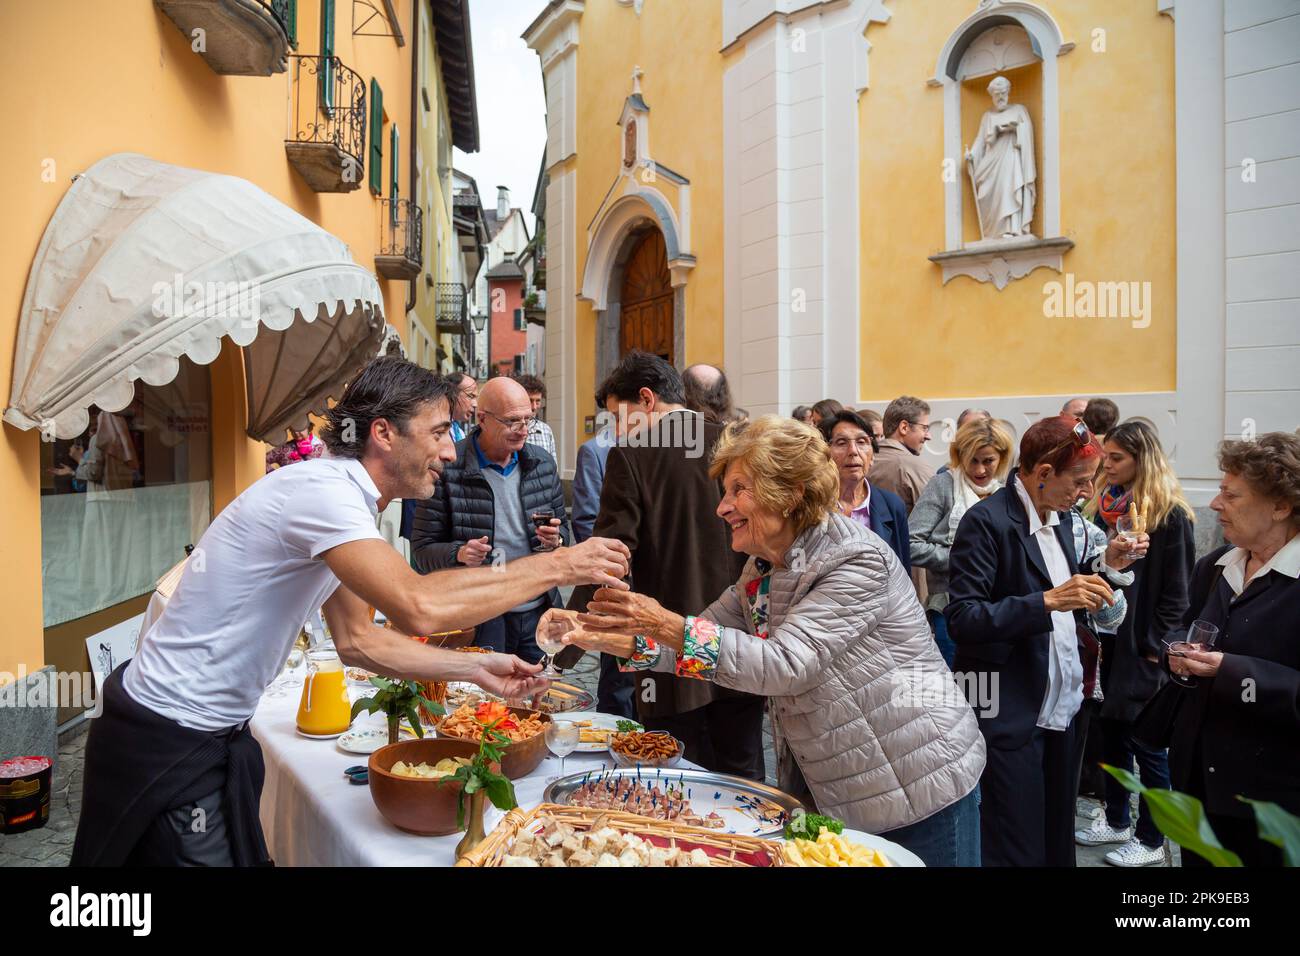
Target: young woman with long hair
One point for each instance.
(1138, 480)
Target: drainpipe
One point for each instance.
(416, 47)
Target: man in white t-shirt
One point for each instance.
(173, 744)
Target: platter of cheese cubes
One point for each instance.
(563, 836)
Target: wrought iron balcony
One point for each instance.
(451, 308)
(239, 37)
(326, 140)
(401, 239)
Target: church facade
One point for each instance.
(980, 202)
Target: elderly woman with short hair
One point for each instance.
(825, 622)
(1237, 731)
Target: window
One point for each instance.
(392, 165)
(120, 502)
(376, 138)
(519, 363)
(327, 54)
(521, 324)
(286, 11)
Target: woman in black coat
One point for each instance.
(1139, 480)
(1237, 732)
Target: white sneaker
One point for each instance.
(1102, 832)
(1136, 853)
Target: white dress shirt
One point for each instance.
(1286, 561)
(1064, 694)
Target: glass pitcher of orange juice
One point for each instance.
(325, 707)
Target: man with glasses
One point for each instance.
(900, 467)
(482, 511)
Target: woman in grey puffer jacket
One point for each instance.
(825, 622)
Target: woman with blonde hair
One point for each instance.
(1138, 481)
(979, 460)
(824, 622)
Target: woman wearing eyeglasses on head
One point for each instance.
(1017, 600)
(1139, 487)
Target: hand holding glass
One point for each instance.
(1200, 637)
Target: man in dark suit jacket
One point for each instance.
(1016, 598)
(659, 500)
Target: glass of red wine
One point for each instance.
(1200, 636)
(541, 518)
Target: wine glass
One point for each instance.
(540, 518)
(562, 737)
(550, 640)
(289, 674)
(1126, 530)
(1201, 637)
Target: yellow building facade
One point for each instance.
(781, 188)
(136, 77)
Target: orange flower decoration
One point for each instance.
(490, 712)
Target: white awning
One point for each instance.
(143, 262)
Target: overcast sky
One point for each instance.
(511, 103)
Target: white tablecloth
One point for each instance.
(314, 816)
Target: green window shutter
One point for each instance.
(392, 163)
(376, 138)
(291, 21)
(327, 54)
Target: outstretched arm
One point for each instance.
(462, 597)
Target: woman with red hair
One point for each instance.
(1017, 598)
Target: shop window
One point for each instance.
(120, 502)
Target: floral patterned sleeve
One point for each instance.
(645, 656)
(699, 654)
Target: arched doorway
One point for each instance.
(647, 299)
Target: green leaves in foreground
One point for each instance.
(1181, 817)
(1277, 827)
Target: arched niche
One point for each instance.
(1022, 42)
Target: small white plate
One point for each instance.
(366, 740)
(599, 721)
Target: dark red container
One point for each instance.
(24, 793)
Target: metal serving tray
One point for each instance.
(706, 791)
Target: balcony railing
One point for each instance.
(451, 308)
(401, 239)
(326, 140)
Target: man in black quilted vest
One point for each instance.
(481, 510)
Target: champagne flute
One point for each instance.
(562, 737)
(1200, 637)
(541, 518)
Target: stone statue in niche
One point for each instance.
(1001, 166)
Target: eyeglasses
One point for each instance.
(925, 428)
(841, 444)
(512, 424)
(1079, 434)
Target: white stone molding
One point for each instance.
(970, 48)
(554, 36)
(999, 48)
(1199, 114)
(634, 208)
(1001, 260)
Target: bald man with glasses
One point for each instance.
(482, 511)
